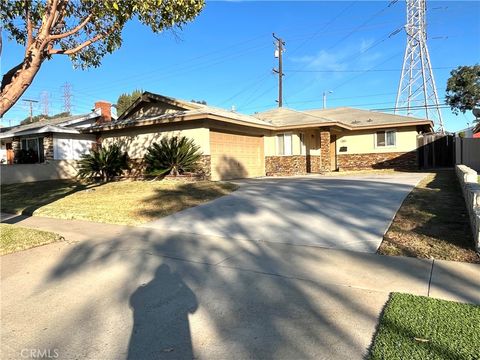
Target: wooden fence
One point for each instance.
(467, 152)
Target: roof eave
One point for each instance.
(391, 125)
(176, 119)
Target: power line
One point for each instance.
(325, 27)
(256, 84)
(360, 70)
(363, 24)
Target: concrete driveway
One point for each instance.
(342, 212)
(119, 292)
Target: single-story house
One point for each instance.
(53, 139)
(276, 142)
(476, 131)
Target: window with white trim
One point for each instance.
(386, 138)
(284, 144)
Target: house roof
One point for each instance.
(187, 110)
(151, 97)
(203, 112)
(476, 129)
(63, 124)
(345, 117)
(275, 119)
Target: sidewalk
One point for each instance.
(447, 280)
(116, 292)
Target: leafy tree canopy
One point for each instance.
(42, 117)
(463, 88)
(125, 100)
(203, 102)
(84, 30)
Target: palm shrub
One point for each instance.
(174, 155)
(104, 163)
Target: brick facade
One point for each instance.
(285, 165)
(325, 150)
(394, 160)
(48, 146)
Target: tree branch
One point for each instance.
(82, 45)
(29, 26)
(72, 31)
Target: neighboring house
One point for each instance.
(53, 139)
(476, 131)
(276, 142)
(465, 133)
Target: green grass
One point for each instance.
(123, 202)
(15, 238)
(432, 222)
(417, 327)
(27, 197)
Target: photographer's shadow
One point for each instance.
(160, 313)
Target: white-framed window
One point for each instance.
(303, 150)
(386, 138)
(284, 144)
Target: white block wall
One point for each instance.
(468, 179)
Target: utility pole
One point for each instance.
(30, 102)
(325, 98)
(278, 54)
(67, 97)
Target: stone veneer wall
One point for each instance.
(314, 164)
(394, 160)
(48, 146)
(205, 167)
(325, 150)
(285, 165)
(137, 168)
(15, 144)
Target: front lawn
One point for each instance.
(123, 202)
(418, 327)
(15, 238)
(432, 222)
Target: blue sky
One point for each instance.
(226, 57)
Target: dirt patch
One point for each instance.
(432, 223)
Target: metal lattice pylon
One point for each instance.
(417, 94)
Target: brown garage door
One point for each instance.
(236, 156)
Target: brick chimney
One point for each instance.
(105, 111)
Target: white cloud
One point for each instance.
(355, 56)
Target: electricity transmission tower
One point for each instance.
(44, 100)
(417, 94)
(67, 97)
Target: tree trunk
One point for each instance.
(15, 82)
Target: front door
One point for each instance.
(333, 152)
(10, 154)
